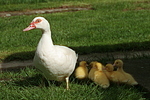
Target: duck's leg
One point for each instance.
(67, 83)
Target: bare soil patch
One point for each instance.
(145, 2)
(44, 11)
(138, 6)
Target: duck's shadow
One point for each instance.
(39, 80)
(36, 80)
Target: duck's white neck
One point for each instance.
(45, 42)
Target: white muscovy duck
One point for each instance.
(54, 61)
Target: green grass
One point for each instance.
(27, 84)
(2, 2)
(19, 5)
(110, 26)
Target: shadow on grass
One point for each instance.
(20, 56)
(134, 46)
(37, 79)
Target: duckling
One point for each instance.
(131, 81)
(93, 69)
(114, 76)
(99, 76)
(109, 69)
(81, 72)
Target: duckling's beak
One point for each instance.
(115, 68)
(114, 65)
(104, 68)
(87, 65)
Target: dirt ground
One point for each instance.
(45, 11)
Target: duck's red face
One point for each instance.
(32, 25)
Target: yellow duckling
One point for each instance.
(119, 63)
(81, 72)
(114, 76)
(93, 69)
(109, 69)
(99, 76)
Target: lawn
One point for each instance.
(27, 84)
(111, 25)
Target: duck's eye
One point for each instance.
(38, 20)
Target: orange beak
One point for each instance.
(30, 27)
